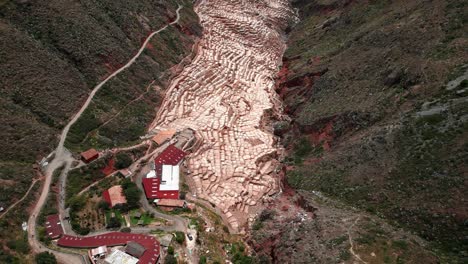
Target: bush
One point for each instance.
(170, 250)
(170, 259)
(126, 230)
(202, 260)
(103, 205)
(123, 160)
(132, 193)
(179, 237)
(114, 223)
(45, 258)
(20, 245)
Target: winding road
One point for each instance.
(64, 157)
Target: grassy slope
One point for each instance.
(358, 73)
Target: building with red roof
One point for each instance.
(89, 155)
(151, 245)
(152, 190)
(163, 182)
(114, 196)
(53, 226)
(170, 156)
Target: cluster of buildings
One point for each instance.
(162, 182)
(161, 186)
(116, 247)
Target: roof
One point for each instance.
(119, 257)
(135, 249)
(169, 178)
(170, 156)
(171, 203)
(114, 195)
(98, 250)
(53, 226)
(151, 186)
(89, 154)
(125, 172)
(151, 244)
(164, 135)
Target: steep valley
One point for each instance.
(326, 131)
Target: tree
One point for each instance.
(114, 223)
(179, 237)
(122, 160)
(132, 193)
(202, 260)
(170, 259)
(103, 205)
(170, 250)
(45, 258)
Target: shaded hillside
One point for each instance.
(374, 122)
(52, 53)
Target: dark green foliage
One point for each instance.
(122, 160)
(170, 259)
(238, 255)
(302, 147)
(7, 258)
(202, 260)
(132, 193)
(179, 237)
(76, 204)
(170, 250)
(45, 258)
(19, 245)
(114, 222)
(103, 205)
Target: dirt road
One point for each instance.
(64, 157)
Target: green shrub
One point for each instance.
(45, 258)
(126, 230)
(179, 237)
(170, 259)
(123, 160)
(170, 250)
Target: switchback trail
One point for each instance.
(64, 157)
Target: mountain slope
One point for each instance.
(52, 53)
(374, 124)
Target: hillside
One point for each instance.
(52, 54)
(377, 125)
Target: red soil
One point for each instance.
(109, 168)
